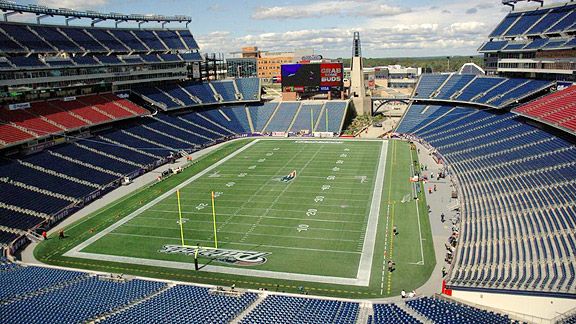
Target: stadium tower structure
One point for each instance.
(533, 42)
(361, 102)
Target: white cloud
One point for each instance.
(329, 8)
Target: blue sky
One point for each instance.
(388, 28)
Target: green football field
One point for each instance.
(289, 213)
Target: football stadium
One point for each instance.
(144, 180)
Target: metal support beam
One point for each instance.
(140, 24)
(69, 19)
(8, 14)
(118, 22)
(95, 21)
(40, 17)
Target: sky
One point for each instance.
(388, 28)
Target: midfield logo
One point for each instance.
(235, 257)
(289, 177)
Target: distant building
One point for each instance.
(394, 76)
(265, 64)
(242, 67)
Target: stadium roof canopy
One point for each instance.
(9, 8)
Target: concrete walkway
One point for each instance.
(438, 202)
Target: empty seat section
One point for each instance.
(18, 220)
(226, 90)
(80, 37)
(283, 117)
(128, 39)
(187, 304)
(307, 118)
(29, 199)
(10, 134)
(107, 39)
(57, 39)
(150, 39)
(86, 156)
(30, 176)
(50, 162)
(171, 39)
(118, 151)
(249, 87)
(78, 302)
(27, 38)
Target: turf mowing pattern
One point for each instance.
(307, 227)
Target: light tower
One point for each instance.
(362, 103)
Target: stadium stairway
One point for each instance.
(102, 317)
(154, 130)
(174, 99)
(239, 94)
(238, 319)
(146, 140)
(195, 124)
(250, 122)
(192, 96)
(412, 313)
(218, 125)
(215, 93)
(365, 313)
(267, 121)
(294, 118)
(109, 155)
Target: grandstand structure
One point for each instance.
(534, 43)
(74, 296)
(507, 139)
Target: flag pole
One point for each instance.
(180, 217)
(214, 221)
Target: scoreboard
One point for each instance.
(313, 77)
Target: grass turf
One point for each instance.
(256, 211)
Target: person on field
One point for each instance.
(61, 234)
(44, 235)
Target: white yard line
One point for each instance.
(244, 215)
(365, 266)
(238, 243)
(417, 215)
(257, 234)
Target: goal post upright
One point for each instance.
(180, 218)
(214, 221)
